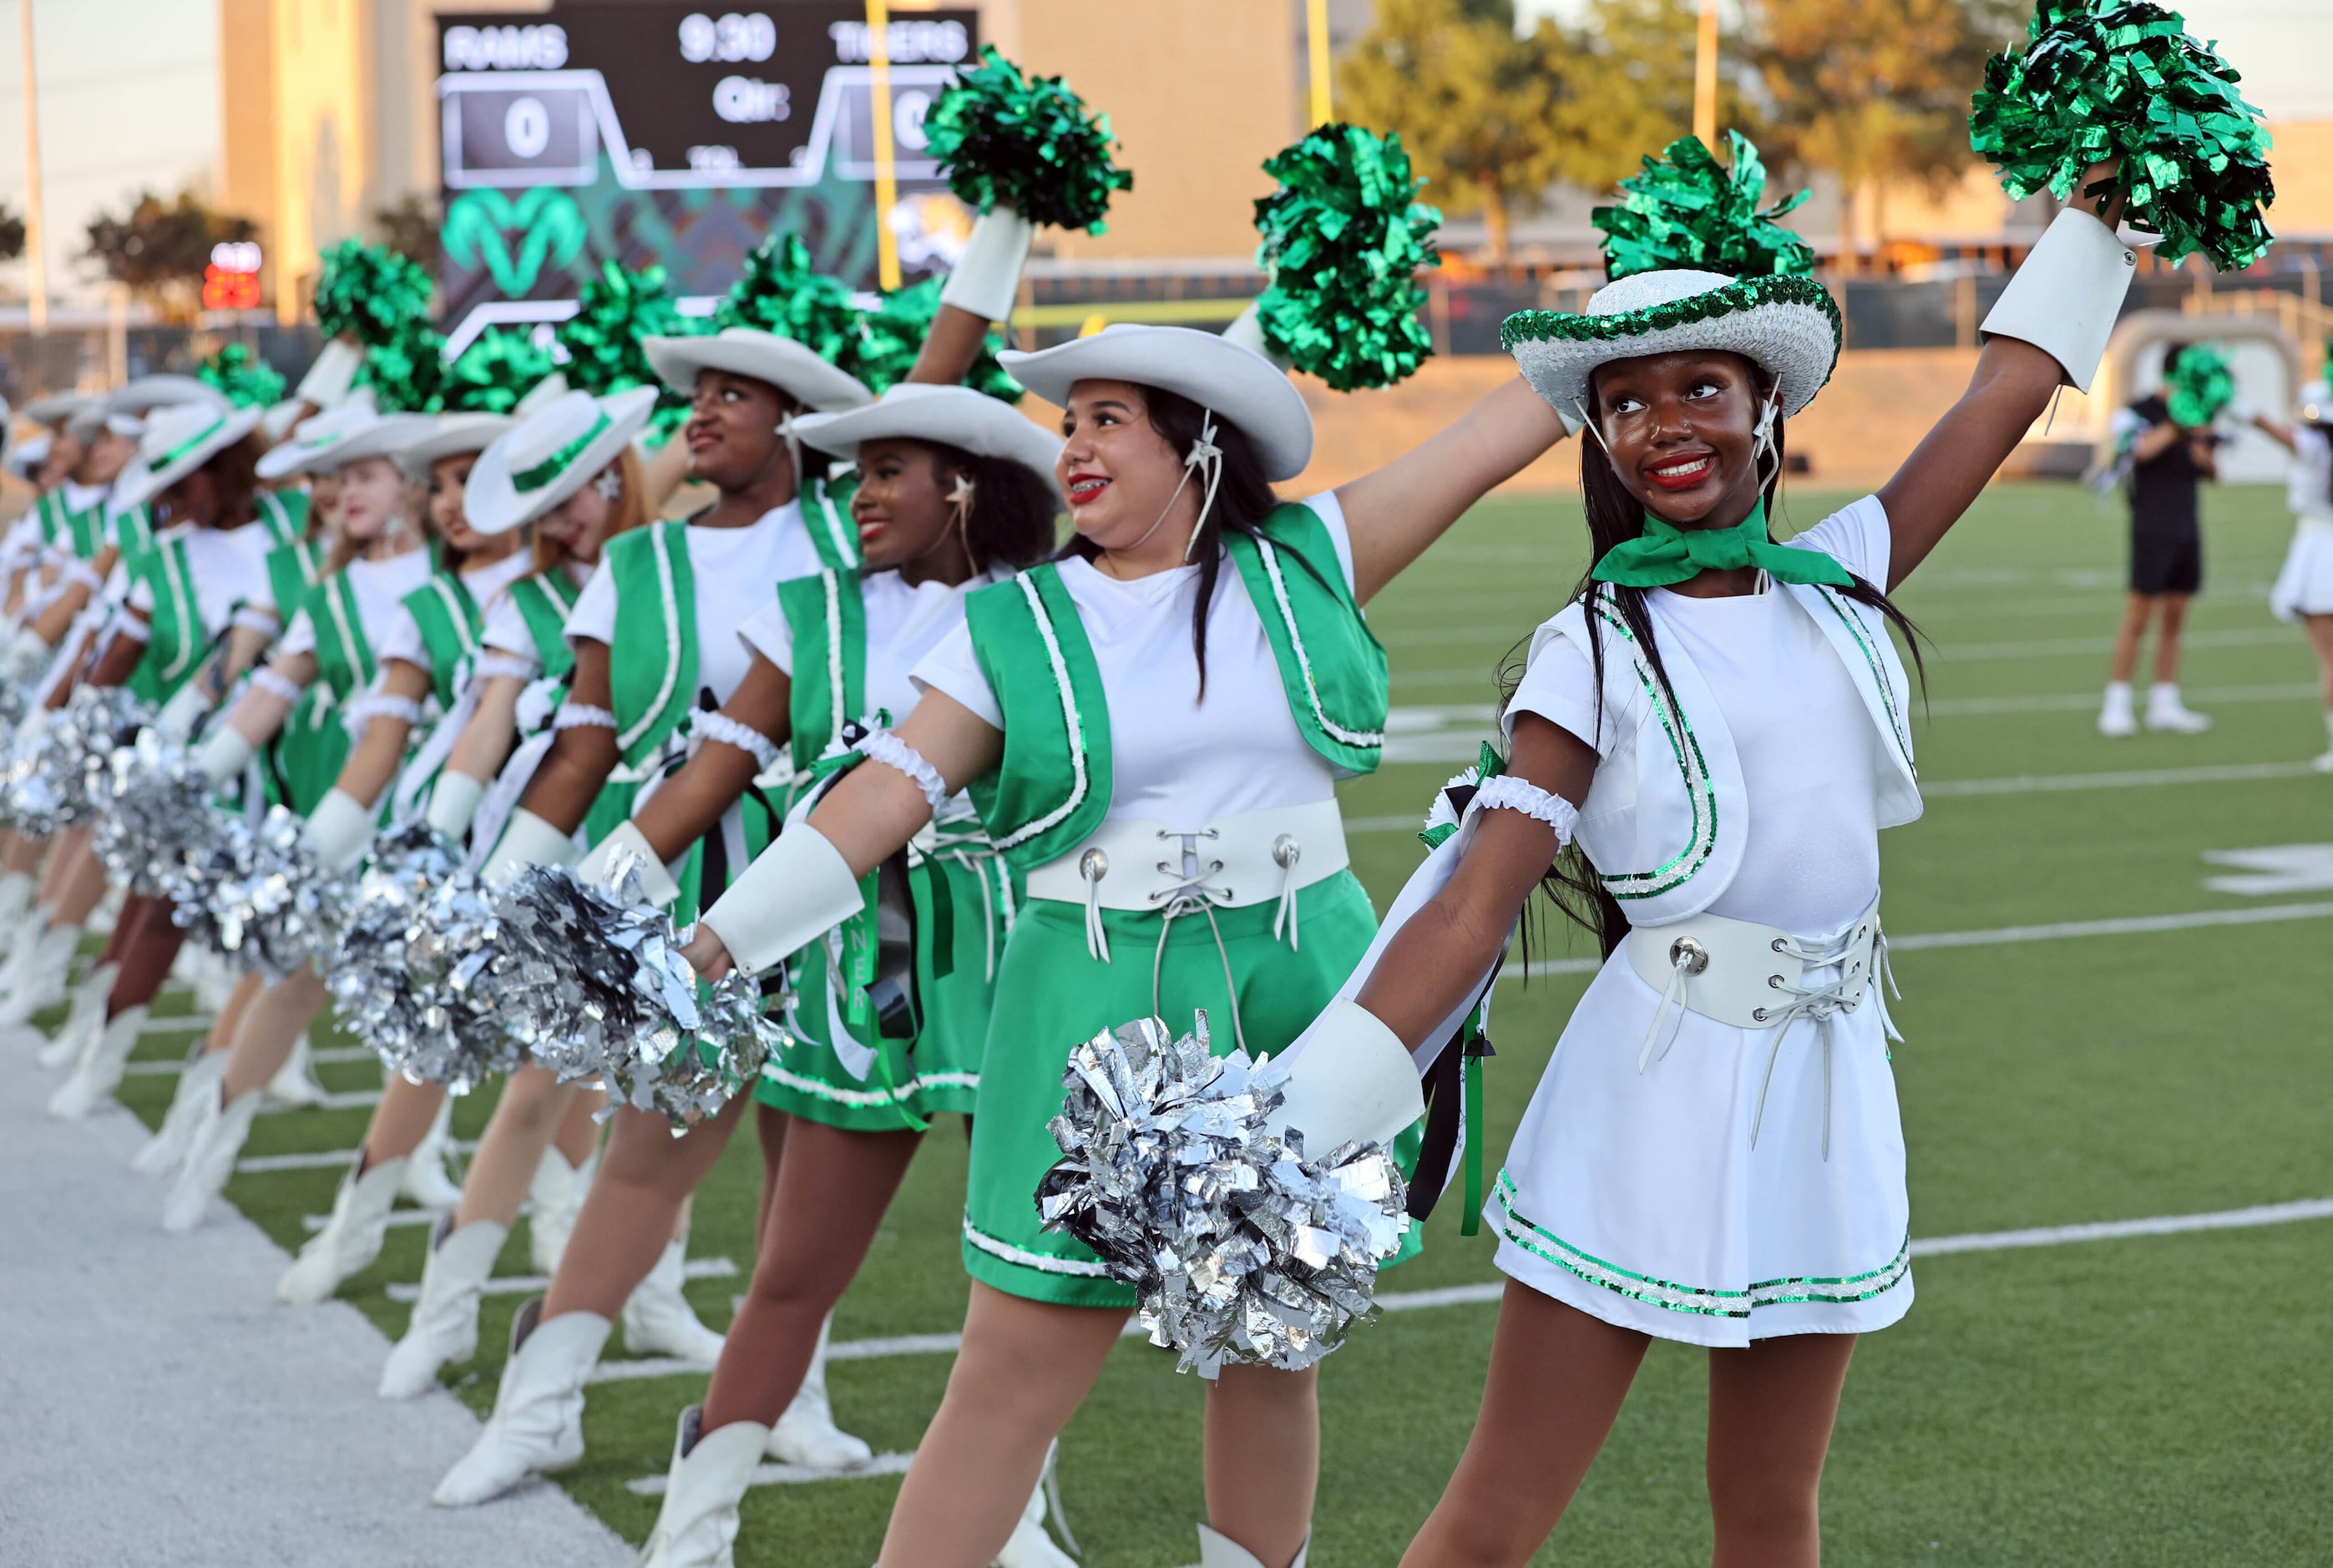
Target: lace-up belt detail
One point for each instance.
(1756, 977)
(1235, 861)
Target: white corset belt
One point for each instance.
(1232, 863)
(1754, 977)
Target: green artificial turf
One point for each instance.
(2158, 1399)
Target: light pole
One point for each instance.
(1704, 77)
(36, 277)
(1316, 31)
(887, 181)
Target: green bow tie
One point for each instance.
(1666, 554)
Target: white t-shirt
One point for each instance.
(736, 574)
(404, 639)
(378, 585)
(1810, 756)
(1177, 759)
(2309, 480)
(228, 568)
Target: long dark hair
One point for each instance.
(1244, 498)
(1014, 508)
(1613, 518)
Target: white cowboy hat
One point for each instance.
(180, 438)
(29, 454)
(318, 434)
(549, 454)
(782, 362)
(955, 417)
(553, 385)
(1787, 325)
(148, 393)
(386, 436)
(277, 423)
(59, 412)
(1237, 384)
(455, 434)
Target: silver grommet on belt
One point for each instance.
(1094, 865)
(1688, 955)
(1286, 851)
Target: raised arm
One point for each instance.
(1395, 512)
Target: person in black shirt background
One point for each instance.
(2167, 463)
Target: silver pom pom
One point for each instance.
(159, 818)
(1240, 1249)
(57, 780)
(258, 895)
(596, 987)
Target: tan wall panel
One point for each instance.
(248, 111)
(2302, 162)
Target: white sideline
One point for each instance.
(776, 1474)
(536, 1283)
(171, 1067)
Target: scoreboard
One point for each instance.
(672, 134)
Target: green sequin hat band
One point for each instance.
(1787, 326)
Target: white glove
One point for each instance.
(529, 841)
(794, 892)
(1350, 1077)
(453, 802)
(326, 385)
(1247, 330)
(29, 728)
(656, 880)
(2064, 300)
(339, 829)
(28, 654)
(987, 280)
(183, 712)
(224, 754)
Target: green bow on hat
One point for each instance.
(1664, 553)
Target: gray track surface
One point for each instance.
(159, 1406)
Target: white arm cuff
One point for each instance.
(251, 618)
(582, 716)
(728, 731)
(339, 829)
(328, 380)
(184, 711)
(225, 754)
(493, 661)
(27, 652)
(381, 705)
(1353, 1081)
(453, 802)
(275, 685)
(2065, 299)
(627, 843)
(987, 280)
(529, 841)
(794, 892)
(883, 746)
(1505, 793)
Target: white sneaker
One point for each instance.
(658, 1319)
(537, 1426)
(1219, 1550)
(210, 1159)
(2115, 719)
(696, 1524)
(350, 1238)
(294, 1085)
(85, 1022)
(443, 1329)
(198, 1085)
(2164, 711)
(425, 1181)
(806, 1434)
(2324, 763)
(99, 1073)
(554, 1199)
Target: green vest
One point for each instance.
(451, 623)
(826, 615)
(545, 600)
(132, 532)
(177, 638)
(83, 532)
(826, 512)
(1052, 787)
(344, 657)
(284, 515)
(292, 571)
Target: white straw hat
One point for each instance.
(1240, 386)
(955, 417)
(549, 454)
(782, 362)
(178, 439)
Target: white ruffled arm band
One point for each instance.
(1505, 793)
(494, 662)
(881, 745)
(381, 705)
(253, 618)
(583, 715)
(720, 726)
(275, 685)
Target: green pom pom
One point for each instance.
(493, 373)
(613, 312)
(1342, 245)
(892, 334)
(248, 381)
(1686, 210)
(779, 293)
(1028, 144)
(2121, 79)
(370, 292)
(408, 375)
(2198, 385)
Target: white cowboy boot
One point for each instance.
(537, 1426)
(697, 1525)
(16, 889)
(85, 1022)
(210, 1159)
(1219, 1550)
(2164, 711)
(198, 1085)
(444, 1325)
(554, 1199)
(658, 1319)
(350, 1238)
(101, 919)
(100, 1072)
(36, 977)
(806, 1434)
(1030, 1546)
(425, 1182)
(294, 1085)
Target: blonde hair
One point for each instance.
(413, 514)
(631, 507)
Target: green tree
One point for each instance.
(1475, 105)
(1628, 74)
(160, 248)
(409, 228)
(1874, 92)
(12, 233)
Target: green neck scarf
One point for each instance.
(1666, 554)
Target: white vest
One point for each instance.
(1667, 818)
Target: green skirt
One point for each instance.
(941, 1072)
(1050, 995)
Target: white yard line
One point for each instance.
(776, 1474)
(316, 1159)
(174, 1065)
(536, 1283)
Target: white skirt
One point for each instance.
(2305, 586)
(1641, 1200)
